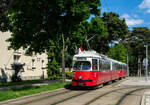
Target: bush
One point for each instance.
(55, 77)
(69, 75)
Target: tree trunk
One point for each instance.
(63, 61)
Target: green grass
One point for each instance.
(15, 93)
(2, 84)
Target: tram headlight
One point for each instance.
(80, 77)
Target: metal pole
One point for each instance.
(146, 61)
(127, 64)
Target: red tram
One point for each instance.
(93, 69)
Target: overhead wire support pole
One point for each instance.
(127, 64)
(146, 61)
(87, 40)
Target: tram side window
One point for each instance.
(101, 65)
(118, 66)
(94, 64)
(114, 66)
(108, 65)
(105, 66)
(124, 67)
(121, 67)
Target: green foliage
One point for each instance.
(40, 21)
(118, 52)
(53, 69)
(69, 75)
(116, 27)
(135, 42)
(99, 42)
(53, 66)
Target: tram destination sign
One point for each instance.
(81, 58)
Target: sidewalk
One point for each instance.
(146, 98)
(45, 82)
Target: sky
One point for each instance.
(136, 12)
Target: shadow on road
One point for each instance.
(70, 87)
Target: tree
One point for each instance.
(118, 52)
(136, 41)
(34, 23)
(117, 28)
(53, 66)
(97, 28)
(40, 21)
(4, 6)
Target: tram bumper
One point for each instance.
(83, 78)
(80, 82)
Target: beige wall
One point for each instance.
(7, 58)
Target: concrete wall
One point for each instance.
(31, 71)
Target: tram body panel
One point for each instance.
(124, 73)
(90, 69)
(120, 73)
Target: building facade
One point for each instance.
(34, 66)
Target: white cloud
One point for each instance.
(145, 5)
(132, 20)
(135, 16)
(125, 16)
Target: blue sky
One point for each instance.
(136, 12)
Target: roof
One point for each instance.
(88, 54)
(96, 55)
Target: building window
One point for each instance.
(42, 63)
(33, 63)
(16, 58)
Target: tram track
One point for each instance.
(47, 95)
(133, 95)
(71, 96)
(59, 98)
(113, 91)
(108, 95)
(104, 90)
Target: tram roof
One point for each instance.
(90, 54)
(95, 54)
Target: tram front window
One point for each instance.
(82, 65)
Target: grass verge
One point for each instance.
(15, 93)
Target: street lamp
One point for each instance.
(146, 61)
